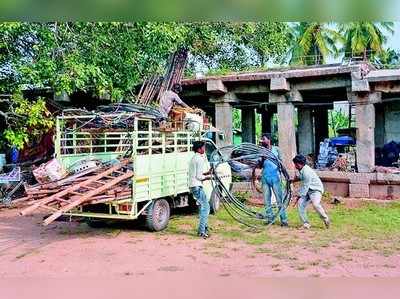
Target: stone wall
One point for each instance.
(357, 185)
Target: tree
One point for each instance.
(112, 58)
(115, 57)
(237, 119)
(220, 47)
(25, 120)
(313, 42)
(337, 120)
(364, 38)
(387, 58)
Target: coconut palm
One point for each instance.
(313, 42)
(364, 38)
(388, 58)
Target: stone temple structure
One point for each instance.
(304, 95)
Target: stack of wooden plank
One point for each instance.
(93, 186)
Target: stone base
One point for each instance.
(358, 190)
(346, 184)
(337, 188)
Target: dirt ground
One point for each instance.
(72, 249)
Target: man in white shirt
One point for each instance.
(196, 177)
(311, 190)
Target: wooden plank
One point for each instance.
(46, 200)
(87, 196)
(21, 199)
(89, 187)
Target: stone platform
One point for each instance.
(357, 185)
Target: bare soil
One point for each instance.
(72, 249)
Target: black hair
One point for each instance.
(267, 135)
(197, 145)
(300, 159)
(176, 88)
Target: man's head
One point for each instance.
(199, 147)
(177, 88)
(299, 162)
(266, 139)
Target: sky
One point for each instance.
(394, 40)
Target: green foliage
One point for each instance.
(220, 47)
(313, 42)
(337, 120)
(16, 137)
(237, 118)
(258, 127)
(368, 226)
(388, 58)
(114, 57)
(26, 120)
(364, 37)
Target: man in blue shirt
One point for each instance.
(270, 179)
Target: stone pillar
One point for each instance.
(305, 131)
(321, 126)
(365, 122)
(222, 99)
(365, 148)
(223, 122)
(286, 133)
(284, 97)
(248, 125)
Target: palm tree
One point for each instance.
(388, 58)
(313, 42)
(364, 38)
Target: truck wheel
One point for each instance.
(157, 217)
(215, 201)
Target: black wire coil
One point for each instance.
(250, 156)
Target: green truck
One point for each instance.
(160, 162)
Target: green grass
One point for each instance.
(369, 227)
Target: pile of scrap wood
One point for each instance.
(100, 184)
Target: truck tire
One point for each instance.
(215, 201)
(158, 213)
